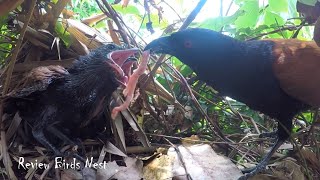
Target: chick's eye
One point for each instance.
(188, 44)
(111, 46)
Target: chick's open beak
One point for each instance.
(127, 65)
(121, 63)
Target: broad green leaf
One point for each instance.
(273, 18)
(219, 22)
(278, 5)
(186, 70)
(251, 15)
(308, 116)
(127, 10)
(176, 62)
(101, 24)
(155, 21)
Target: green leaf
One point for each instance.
(176, 62)
(219, 22)
(273, 18)
(308, 116)
(63, 34)
(251, 15)
(127, 10)
(155, 21)
(278, 5)
(186, 70)
(101, 24)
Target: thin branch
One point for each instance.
(193, 14)
(163, 1)
(229, 7)
(113, 15)
(289, 28)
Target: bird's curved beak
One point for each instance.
(121, 62)
(160, 45)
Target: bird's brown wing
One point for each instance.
(38, 79)
(297, 67)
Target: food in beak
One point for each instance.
(120, 62)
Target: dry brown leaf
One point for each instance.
(93, 19)
(56, 11)
(125, 3)
(193, 139)
(82, 31)
(67, 13)
(13, 126)
(117, 125)
(159, 168)
(112, 33)
(311, 159)
(131, 119)
(288, 169)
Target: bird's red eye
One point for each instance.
(188, 44)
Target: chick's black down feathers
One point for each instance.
(52, 97)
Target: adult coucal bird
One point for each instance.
(52, 99)
(278, 77)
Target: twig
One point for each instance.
(240, 116)
(180, 158)
(311, 129)
(149, 108)
(192, 15)
(290, 28)
(113, 15)
(295, 34)
(200, 141)
(229, 7)
(217, 130)
(186, 23)
(163, 1)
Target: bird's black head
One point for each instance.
(107, 62)
(193, 45)
(100, 72)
